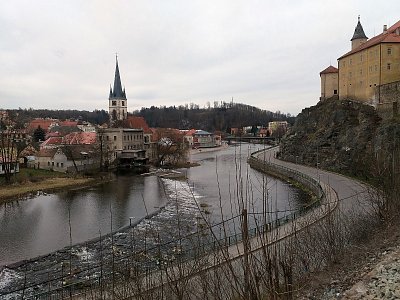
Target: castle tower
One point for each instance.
(117, 99)
(329, 82)
(359, 36)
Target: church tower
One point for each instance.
(118, 106)
(359, 36)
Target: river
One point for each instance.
(41, 224)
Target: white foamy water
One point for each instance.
(7, 276)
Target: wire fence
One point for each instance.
(65, 281)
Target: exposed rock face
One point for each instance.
(338, 135)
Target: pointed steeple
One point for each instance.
(359, 32)
(117, 92)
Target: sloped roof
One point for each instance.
(52, 141)
(68, 123)
(202, 132)
(359, 32)
(330, 69)
(190, 132)
(137, 123)
(117, 92)
(390, 36)
(80, 138)
(46, 152)
(43, 123)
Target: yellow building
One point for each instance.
(329, 82)
(370, 64)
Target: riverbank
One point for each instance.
(367, 270)
(205, 150)
(22, 189)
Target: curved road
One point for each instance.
(353, 196)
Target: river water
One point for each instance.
(216, 189)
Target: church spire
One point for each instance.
(118, 104)
(117, 92)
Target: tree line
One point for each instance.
(222, 116)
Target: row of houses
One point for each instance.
(68, 148)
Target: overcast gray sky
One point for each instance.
(61, 54)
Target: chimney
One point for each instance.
(384, 28)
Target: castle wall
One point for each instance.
(329, 85)
(362, 72)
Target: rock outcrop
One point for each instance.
(339, 135)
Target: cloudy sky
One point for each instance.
(268, 53)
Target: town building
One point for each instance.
(278, 128)
(122, 146)
(68, 159)
(370, 71)
(149, 144)
(118, 104)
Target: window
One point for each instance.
(350, 74)
(108, 138)
(62, 165)
(115, 137)
(124, 137)
(48, 163)
(389, 51)
(361, 57)
(58, 164)
(335, 92)
(344, 63)
(360, 71)
(351, 61)
(52, 163)
(388, 66)
(114, 103)
(123, 103)
(376, 68)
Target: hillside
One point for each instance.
(221, 117)
(342, 136)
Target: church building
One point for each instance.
(118, 104)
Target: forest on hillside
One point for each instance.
(222, 116)
(23, 116)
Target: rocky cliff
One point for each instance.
(340, 135)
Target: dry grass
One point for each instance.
(13, 191)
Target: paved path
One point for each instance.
(352, 194)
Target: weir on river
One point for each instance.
(212, 190)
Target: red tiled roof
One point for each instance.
(43, 123)
(68, 123)
(52, 141)
(190, 132)
(137, 123)
(80, 138)
(46, 153)
(389, 36)
(330, 69)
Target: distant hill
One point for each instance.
(23, 116)
(221, 117)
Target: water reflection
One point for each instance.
(219, 186)
(40, 225)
